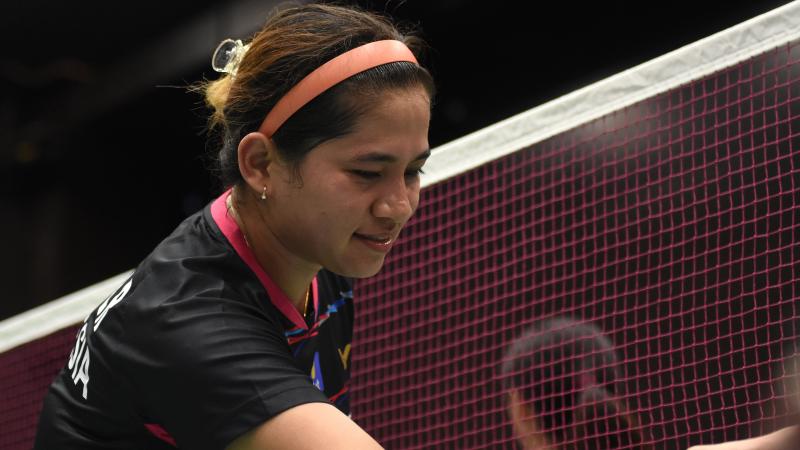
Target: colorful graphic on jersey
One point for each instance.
(340, 396)
(316, 373)
(294, 332)
(298, 334)
(344, 355)
(159, 432)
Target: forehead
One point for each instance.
(405, 102)
(395, 125)
(397, 120)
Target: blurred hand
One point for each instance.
(785, 439)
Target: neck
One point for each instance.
(290, 272)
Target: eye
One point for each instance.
(414, 172)
(366, 174)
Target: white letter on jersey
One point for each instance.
(83, 374)
(104, 307)
(80, 370)
(77, 351)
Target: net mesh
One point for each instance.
(25, 374)
(670, 225)
(664, 231)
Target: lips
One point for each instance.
(381, 238)
(378, 242)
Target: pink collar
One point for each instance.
(228, 226)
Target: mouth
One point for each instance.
(378, 242)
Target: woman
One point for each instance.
(235, 331)
(562, 387)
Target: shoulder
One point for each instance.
(191, 290)
(171, 318)
(196, 246)
(195, 261)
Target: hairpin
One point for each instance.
(228, 55)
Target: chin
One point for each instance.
(360, 269)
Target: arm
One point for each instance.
(780, 440)
(310, 426)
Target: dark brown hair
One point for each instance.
(568, 372)
(293, 42)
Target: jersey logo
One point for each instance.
(316, 373)
(344, 355)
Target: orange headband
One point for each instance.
(330, 74)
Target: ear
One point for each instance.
(257, 155)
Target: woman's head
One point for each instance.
(562, 382)
(340, 174)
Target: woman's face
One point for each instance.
(356, 192)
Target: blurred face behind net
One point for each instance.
(357, 191)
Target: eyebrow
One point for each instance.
(378, 157)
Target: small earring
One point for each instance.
(264, 193)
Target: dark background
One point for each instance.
(101, 147)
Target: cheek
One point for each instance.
(413, 198)
(341, 193)
(333, 207)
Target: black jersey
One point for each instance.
(198, 347)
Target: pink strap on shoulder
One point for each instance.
(331, 73)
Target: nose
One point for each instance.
(396, 203)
